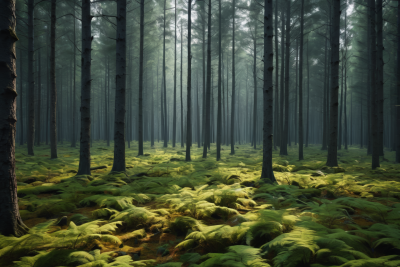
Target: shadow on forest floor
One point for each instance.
(166, 212)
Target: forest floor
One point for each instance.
(166, 212)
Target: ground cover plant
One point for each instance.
(166, 212)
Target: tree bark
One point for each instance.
(31, 80)
(255, 85)
(189, 86)
(86, 80)
(181, 84)
(21, 142)
(325, 107)
(39, 97)
(120, 92)
(308, 96)
(267, 172)
(233, 80)
(219, 114)
(165, 84)
(379, 74)
(301, 59)
(11, 222)
(374, 96)
(287, 79)
(207, 129)
(283, 144)
(333, 119)
(140, 126)
(277, 116)
(174, 114)
(53, 89)
(398, 87)
(73, 143)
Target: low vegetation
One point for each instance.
(166, 212)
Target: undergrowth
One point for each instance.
(166, 212)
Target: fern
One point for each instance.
(237, 256)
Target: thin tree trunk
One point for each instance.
(379, 75)
(325, 106)
(219, 115)
(174, 114)
(21, 75)
(120, 92)
(267, 172)
(207, 129)
(233, 80)
(278, 121)
(308, 96)
(86, 80)
(181, 84)
(287, 79)
(189, 86)
(73, 143)
(255, 85)
(283, 144)
(374, 96)
(140, 126)
(345, 82)
(31, 80)
(39, 102)
(301, 131)
(53, 102)
(333, 120)
(398, 87)
(165, 84)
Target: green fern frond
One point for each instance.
(104, 213)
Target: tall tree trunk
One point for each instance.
(53, 102)
(140, 126)
(345, 81)
(31, 80)
(189, 86)
(341, 104)
(379, 74)
(39, 98)
(267, 172)
(374, 96)
(233, 80)
(207, 129)
(296, 93)
(174, 114)
(198, 111)
(301, 59)
(73, 143)
(165, 83)
(333, 120)
(283, 145)
(255, 86)
(86, 80)
(325, 111)
(287, 79)
(278, 121)
(11, 222)
(398, 87)
(203, 51)
(48, 94)
(308, 95)
(120, 92)
(219, 114)
(21, 111)
(181, 84)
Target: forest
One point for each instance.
(199, 133)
